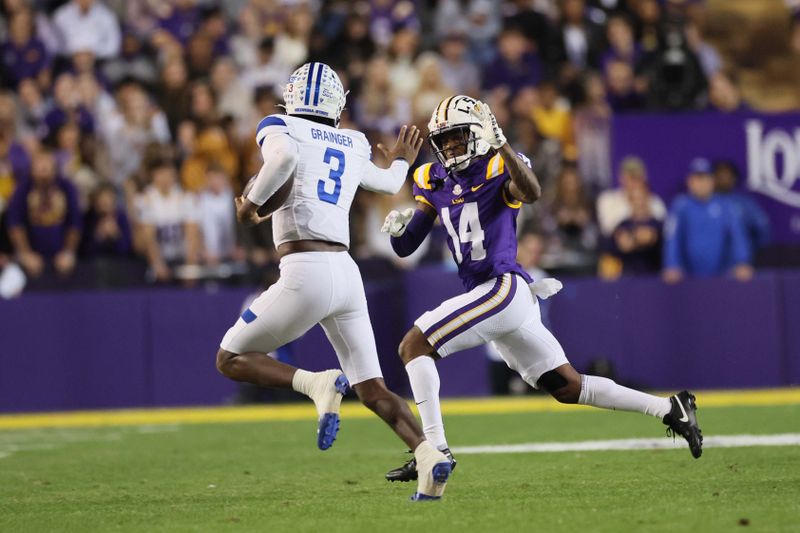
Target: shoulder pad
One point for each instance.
(495, 167)
(270, 124)
(422, 176)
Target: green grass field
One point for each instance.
(269, 476)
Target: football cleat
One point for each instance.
(682, 420)
(408, 472)
(328, 404)
(432, 472)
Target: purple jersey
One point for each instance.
(479, 215)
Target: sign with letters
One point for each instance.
(764, 147)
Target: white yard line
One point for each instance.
(50, 439)
(719, 441)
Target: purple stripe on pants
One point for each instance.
(470, 323)
(461, 310)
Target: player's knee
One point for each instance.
(567, 394)
(413, 345)
(225, 362)
(565, 389)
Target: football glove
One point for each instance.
(489, 131)
(396, 222)
(546, 287)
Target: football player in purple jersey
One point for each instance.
(476, 188)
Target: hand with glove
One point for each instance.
(546, 287)
(397, 221)
(489, 131)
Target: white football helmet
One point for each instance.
(314, 89)
(451, 115)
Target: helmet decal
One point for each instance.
(314, 89)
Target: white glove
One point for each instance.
(12, 281)
(396, 222)
(490, 131)
(546, 287)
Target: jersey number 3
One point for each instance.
(469, 231)
(334, 176)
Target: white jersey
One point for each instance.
(331, 164)
(168, 214)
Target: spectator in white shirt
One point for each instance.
(614, 206)
(169, 222)
(270, 70)
(218, 218)
(88, 25)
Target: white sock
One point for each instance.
(302, 381)
(603, 392)
(424, 380)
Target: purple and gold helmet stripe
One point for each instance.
(442, 109)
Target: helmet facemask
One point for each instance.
(455, 133)
(454, 147)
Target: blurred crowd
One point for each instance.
(127, 126)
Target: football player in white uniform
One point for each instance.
(319, 282)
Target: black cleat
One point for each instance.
(408, 472)
(682, 420)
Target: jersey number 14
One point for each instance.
(469, 231)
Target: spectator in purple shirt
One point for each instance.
(637, 240)
(622, 45)
(44, 219)
(182, 20)
(24, 56)
(622, 93)
(215, 28)
(67, 107)
(515, 67)
(106, 230)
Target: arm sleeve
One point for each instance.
(416, 231)
(389, 180)
(280, 153)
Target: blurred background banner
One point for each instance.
(156, 347)
(764, 147)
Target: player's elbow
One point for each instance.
(223, 362)
(533, 193)
(396, 186)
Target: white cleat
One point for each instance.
(433, 469)
(329, 387)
